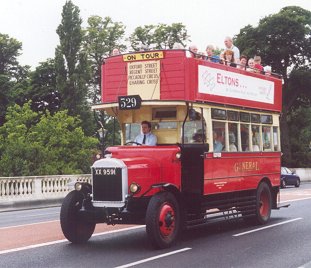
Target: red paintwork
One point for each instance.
(149, 165)
(240, 171)
(167, 211)
(179, 81)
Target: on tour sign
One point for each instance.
(144, 56)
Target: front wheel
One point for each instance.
(75, 229)
(163, 220)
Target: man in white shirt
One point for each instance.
(236, 52)
(146, 137)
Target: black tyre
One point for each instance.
(297, 184)
(76, 230)
(263, 205)
(283, 183)
(163, 220)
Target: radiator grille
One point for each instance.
(107, 184)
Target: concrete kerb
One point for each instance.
(29, 204)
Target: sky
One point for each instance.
(34, 22)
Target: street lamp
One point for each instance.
(102, 134)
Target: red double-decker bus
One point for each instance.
(217, 153)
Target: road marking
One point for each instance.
(294, 200)
(306, 265)
(266, 227)
(153, 258)
(38, 215)
(65, 240)
(29, 224)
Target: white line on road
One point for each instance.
(39, 215)
(294, 200)
(28, 224)
(153, 258)
(266, 227)
(306, 265)
(65, 240)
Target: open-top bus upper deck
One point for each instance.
(171, 75)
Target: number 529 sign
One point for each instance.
(129, 102)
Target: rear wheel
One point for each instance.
(163, 220)
(263, 205)
(75, 229)
(283, 183)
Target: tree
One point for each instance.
(43, 90)
(167, 35)
(161, 36)
(72, 70)
(9, 51)
(9, 66)
(300, 136)
(101, 37)
(36, 144)
(283, 41)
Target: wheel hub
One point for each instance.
(167, 220)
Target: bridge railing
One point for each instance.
(41, 191)
(16, 190)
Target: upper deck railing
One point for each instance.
(174, 75)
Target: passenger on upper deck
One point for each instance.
(210, 54)
(243, 62)
(229, 46)
(229, 58)
(193, 51)
(146, 137)
(251, 64)
(267, 70)
(257, 64)
(115, 52)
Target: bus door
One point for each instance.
(193, 149)
(192, 161)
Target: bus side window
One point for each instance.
(218, 136)
(266, 138)
(233, 134)
(255, 138)
(276, 146)
(245, 137)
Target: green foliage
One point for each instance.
(100, 38)
(36, 144)
(161, 36)
(9, 51)
(300, 136)
(5, 86)
(9, 71)
(71, 65)
(283, 42)
(43, 90)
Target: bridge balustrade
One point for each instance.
(37, 188)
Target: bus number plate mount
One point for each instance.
(130, 102)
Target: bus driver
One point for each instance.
(146, 137)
